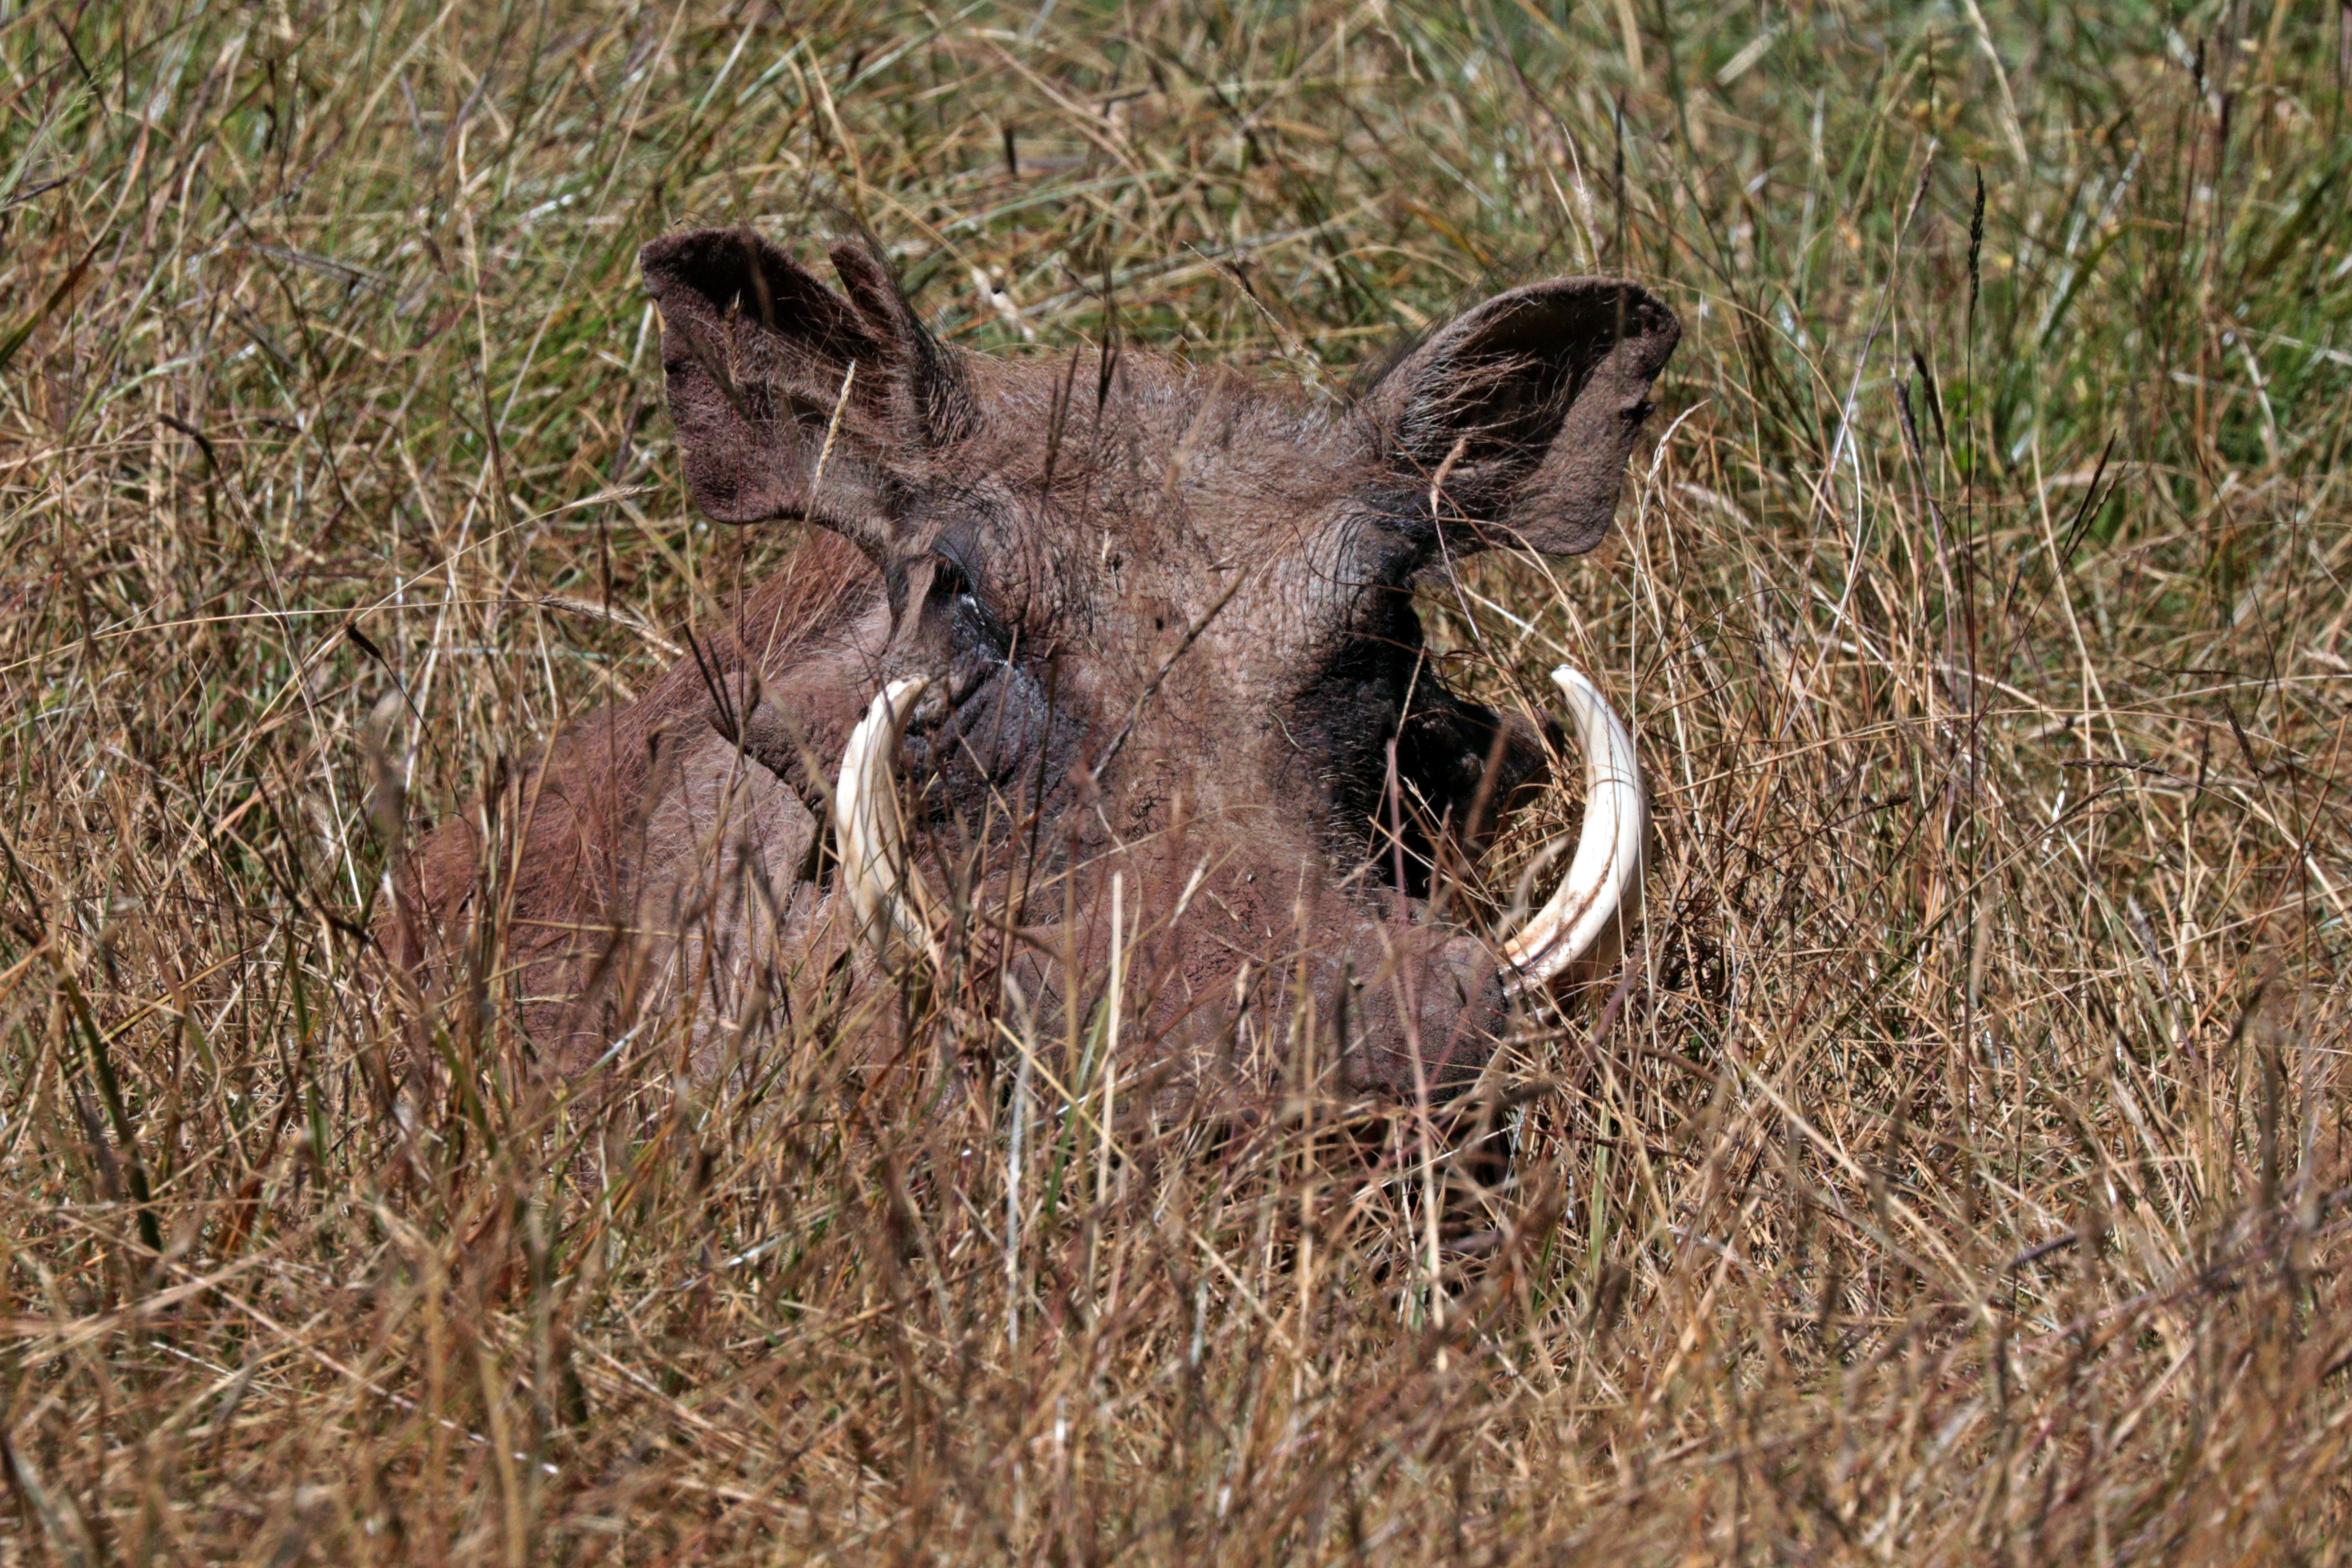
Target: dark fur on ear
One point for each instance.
(764, 363)
(942, 409)
(1520, 414)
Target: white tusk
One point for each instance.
(1583, 927)
(865, 824)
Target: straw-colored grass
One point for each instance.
(1963, 1174)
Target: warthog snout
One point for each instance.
(1446, 993)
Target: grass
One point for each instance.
(1961, 1176)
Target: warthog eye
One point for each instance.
(949, 579)
(973, 623)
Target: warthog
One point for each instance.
(1120, 631)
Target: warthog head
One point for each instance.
(1089, 630)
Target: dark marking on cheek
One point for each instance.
(1458, 766)
(1005, 738)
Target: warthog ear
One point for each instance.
(1518, 417)
(763, 361)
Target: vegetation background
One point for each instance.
(1960, 1175)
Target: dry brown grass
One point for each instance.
(1961, 1175)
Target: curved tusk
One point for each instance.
(1583, 927)
(866, 822)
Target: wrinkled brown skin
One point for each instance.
(1042, 538)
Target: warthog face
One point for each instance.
(1097, 620)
